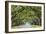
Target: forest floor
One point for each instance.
(27, 25)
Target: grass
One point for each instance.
(35, 26)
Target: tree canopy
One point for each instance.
(22, 14)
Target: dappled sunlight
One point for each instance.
(26, 16)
